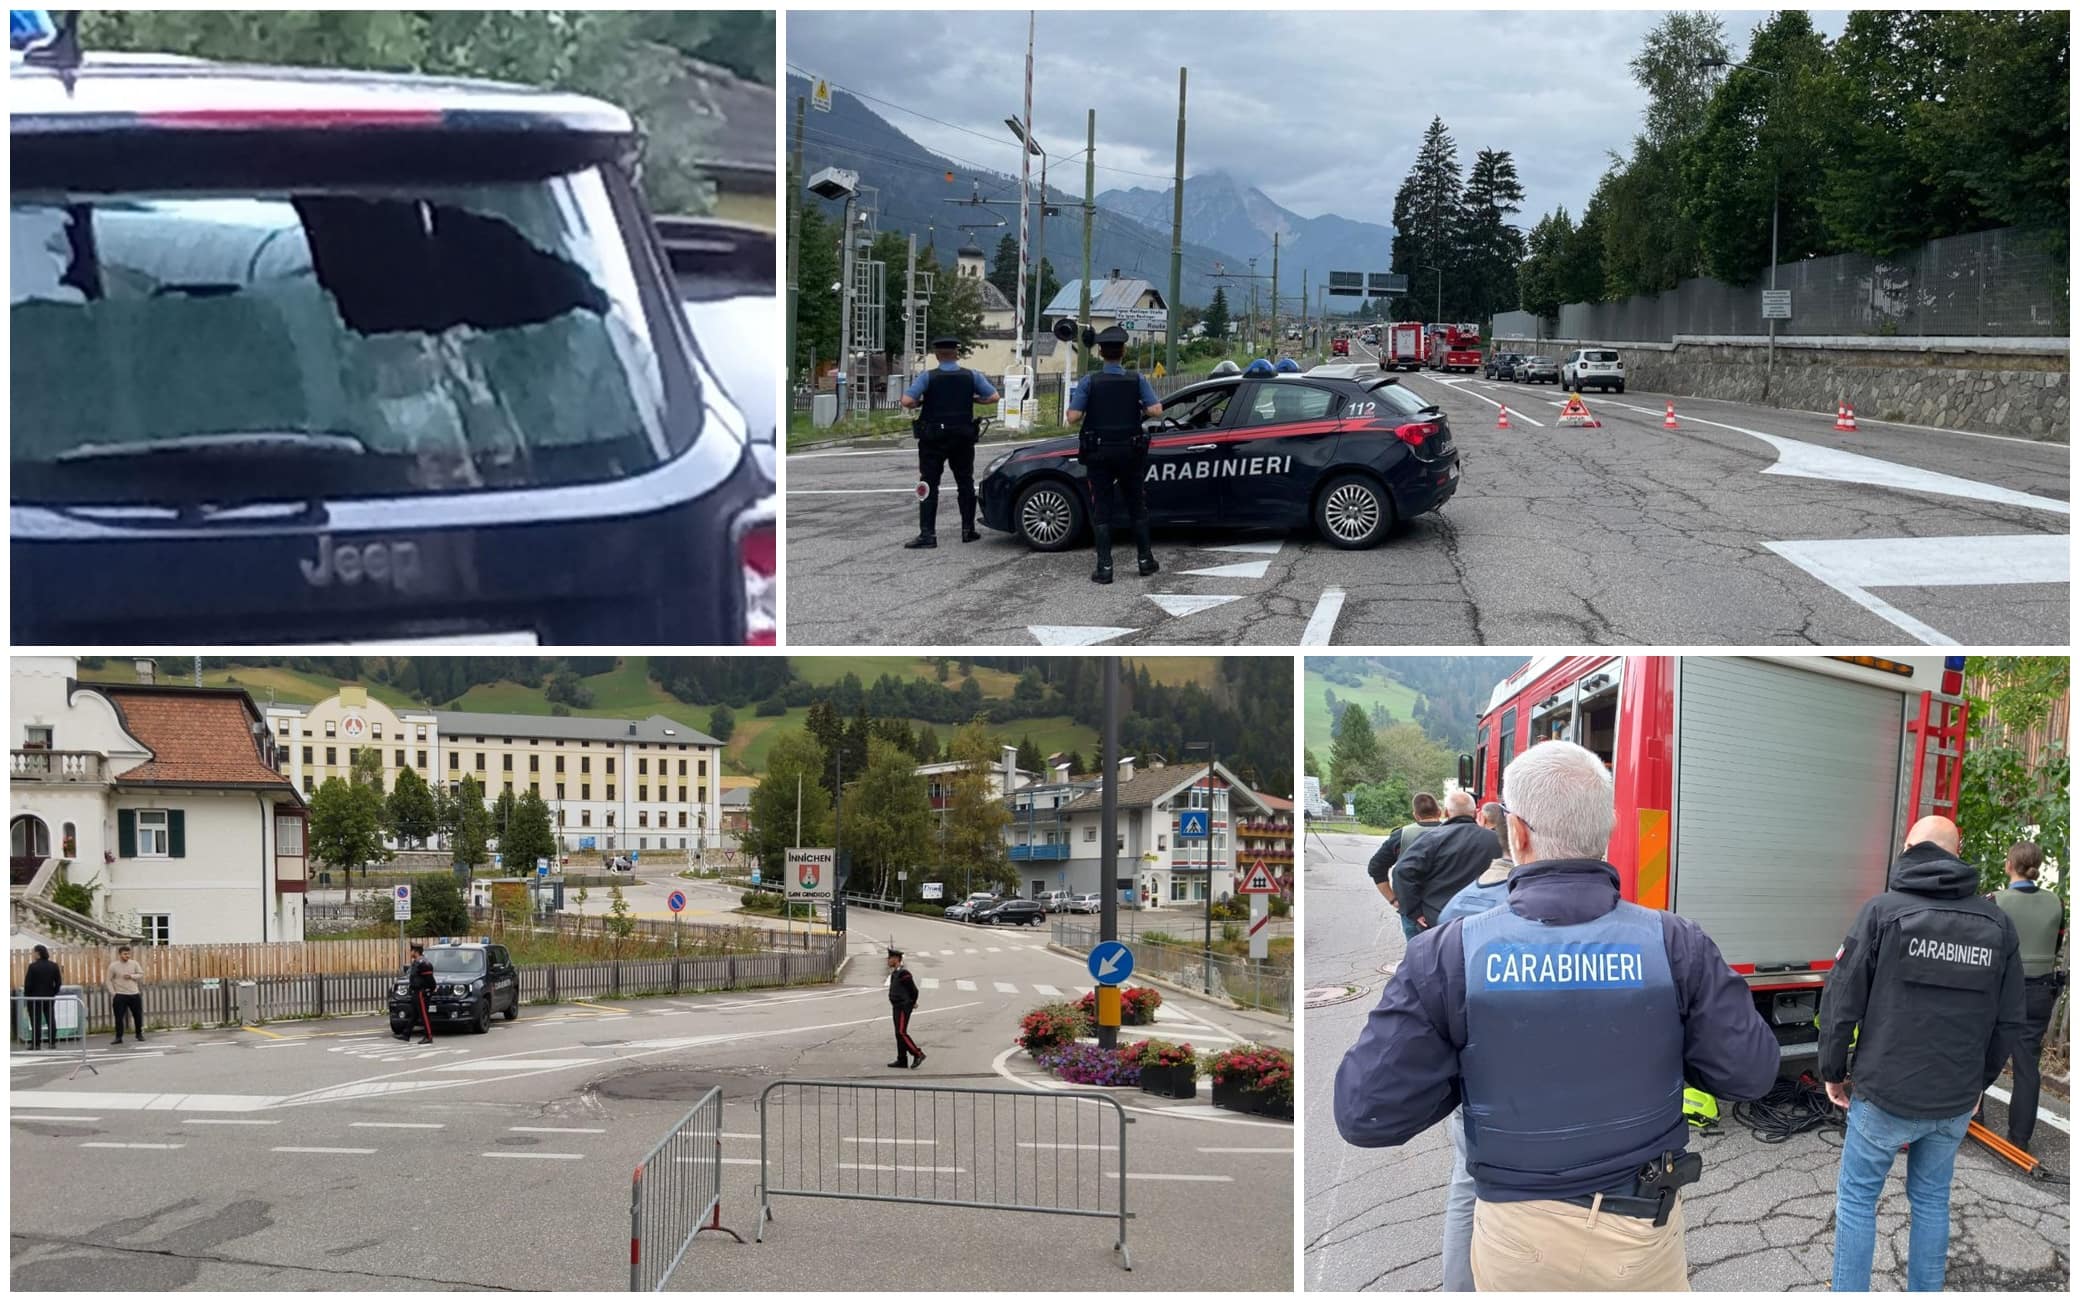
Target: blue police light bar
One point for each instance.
(27, 27)
(1955, 664)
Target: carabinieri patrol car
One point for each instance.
(1342, 449)
(315, 356)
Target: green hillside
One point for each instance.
(1378, 689)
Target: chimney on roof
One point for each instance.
(146, 671)
(631, 730)
(1114, 274)
(1126, 768)
(1010, 754)
(1061, 771)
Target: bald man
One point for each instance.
(1442, 862)
(1928, 988)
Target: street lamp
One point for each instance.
(1776, 168)
(1032, 145)
(840, 183)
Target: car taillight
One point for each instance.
(758, 547)
(1414, 434)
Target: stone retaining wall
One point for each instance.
(2023, 393)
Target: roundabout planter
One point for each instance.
(1170, 1082)
(1234, 1098)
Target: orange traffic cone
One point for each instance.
(1845, 418)
(1669, 421)
(1502, 418)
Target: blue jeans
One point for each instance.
(1408, 927)
(1458, 1213)
(1874, 1137)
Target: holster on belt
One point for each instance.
(1662, 1177)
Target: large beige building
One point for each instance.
(610, 784)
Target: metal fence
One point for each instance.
(1062, 1153)
(1250, 983)
(1993, 283)
(61, 1027)
(675, 1194)
(322, 994)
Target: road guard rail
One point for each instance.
(62, 1027)
(1061, 1153)
(675, 1194)
(1243, 982)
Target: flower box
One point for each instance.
(1171, 1082)
(1233, 1097)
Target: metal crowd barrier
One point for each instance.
(676, 1193)
(1062, 1153)
(59, 1030)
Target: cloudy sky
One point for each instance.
(1321, 111)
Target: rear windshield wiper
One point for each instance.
(244, 445)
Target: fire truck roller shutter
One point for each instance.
(1787, 799)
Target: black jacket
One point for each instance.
(423, 981)
(1929, 982)
(1442, 861)
(1389, 853)
(42, 979)
(902, 988)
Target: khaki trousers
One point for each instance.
(1558, 1247)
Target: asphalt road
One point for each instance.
(1761, 1219)
(1744, 526)
(326, 1155)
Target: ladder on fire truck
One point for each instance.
(1938, 730)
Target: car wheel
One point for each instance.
(1621, 388)
(1353, 512)
(481, 1023)
(1049, 516)
(513, 1009)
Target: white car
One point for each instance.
(1598, 368)
(1088, 903)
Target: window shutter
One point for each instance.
(176, 834)
(126, 833)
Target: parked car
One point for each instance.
(474, 981)
(965, 910)
(1593, 368)
(1013, 913)
(1055, 901)
(1537, 370)
(1087, 903)
(1500, 365)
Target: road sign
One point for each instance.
(1111, 963)
(1193, 823)
(635, 856)
(931, 890)
(820, 96)
(401, 903)
(1383, 282)
(541, 867)
(1352, 280)
(1260, 926)
(810, 874)
(676, 901)
(1258, 881)
(755, 876)
(498, 860)
(1142, 318)
(1776, 305)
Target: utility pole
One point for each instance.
(1090, 207)
(1277, 340)
(1108, 826)
(910, 304)
(845, 376)
(1176, 232)
(1306, 322)
(1039, 262)
(794, 232)
(1025, 199)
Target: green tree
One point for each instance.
(346, 826)
(888, 819)
(975, 818)
(1309, 765)
(1003, 268)
(2004, 796)
(620, 920)
(1355, 759)
(1029, 757)
(529, 836)
(1216, 319)
(1426, 224)
(500, 818)
(722, 723)
(408, 815)
(956, 308)
(1490, 247)
(820, 307)
(794, 770)
(466, 822)
(1539, 277)
(438, 906)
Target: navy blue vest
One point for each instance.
(947, 409)
(1573, 1065)
(1112, 409)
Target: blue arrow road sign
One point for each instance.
(1191, 822)
(676, 901)
(1111, 963)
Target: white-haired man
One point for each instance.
(1567, 1022)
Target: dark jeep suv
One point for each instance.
(474, 981)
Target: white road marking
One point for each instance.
(928, 983)
(727, 1161)
(967, 951)
(57, 1118)
(2045, 1115)
(540, 1157)
(1074, 634)
(142, 1102)
(847, 492)
(863, 1139)
(1852, 566)
(226, 1121)
(1249, 548)
(104, 1143)
(559, 1130)
(398, 1125)
(872, 1166)
(1005, 988)
(945, 951)
(1245, 1150)
(740, 1134)
(995, 949)
(964, 985)
(507, 1064)
(1098, 1148)
(1158, 1175)
(1239, 570)
(1321, 626)
(1178, 604)
(1049, 991)
(344, 1152)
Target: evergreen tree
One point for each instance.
(409, 812)
(795, 768)
(1216, 318)
(1355, 761)
(1003, 269)
(1426, 225)
(1489, 246)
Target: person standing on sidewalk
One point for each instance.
(2040, 926)
(126, 992)
(41, 982)
(1928, 986)
(1448, 856)
(902, 999)
(1426, 815)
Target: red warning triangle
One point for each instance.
(1576, 413)
(1258, 881)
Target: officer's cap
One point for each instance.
(893, 952)
(946, 341)
(1112, 335)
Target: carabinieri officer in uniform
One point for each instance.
(946, 436)
(1108, 407)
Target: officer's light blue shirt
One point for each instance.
(1080, 395)
(983, 388)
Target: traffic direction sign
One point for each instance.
(1111, 963)
(676, 901)
(1257, 881)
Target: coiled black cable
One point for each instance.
(1792, 1107)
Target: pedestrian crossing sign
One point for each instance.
(1258, 881)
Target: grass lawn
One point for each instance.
(289, 686)
(755, 737)
(823, 671)
(1175, 671)
(1378, 690)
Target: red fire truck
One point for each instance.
(1406, 348)
(1455, 347)
(1762, 797)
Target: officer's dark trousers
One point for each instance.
(933, 458)
(2039, 997)
(906, 1048)
(1117, 472)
